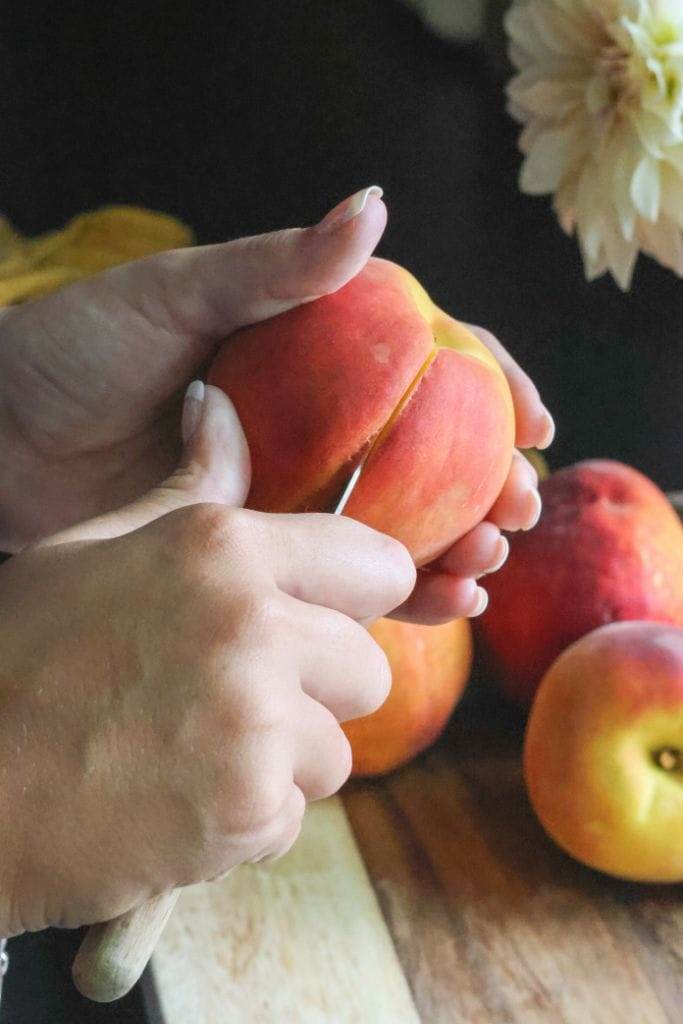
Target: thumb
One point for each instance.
(214, 467)
(210, 291)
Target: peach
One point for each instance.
(603, 756)
(608, 547)
(377, 370)
(430, 666)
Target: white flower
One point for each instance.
(600, 93)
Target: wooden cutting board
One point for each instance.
(432, 896)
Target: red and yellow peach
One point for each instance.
(608, 547)
(603, 757)
(374, 368)
(430, 666)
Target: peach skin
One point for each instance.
(608, 547)
(430, 667)
(374, 368)
(603, 757)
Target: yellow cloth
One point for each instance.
(88, 244)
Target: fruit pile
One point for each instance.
(584, 630)
(585, 620)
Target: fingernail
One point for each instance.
(535, 506)
(193, 406)
(345, 211)
(502, 552)
(548, 430)
(482, 603)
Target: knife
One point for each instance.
(114, 954)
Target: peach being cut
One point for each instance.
(603, 757)
(430, 666)
(376, 369)
(608, 547)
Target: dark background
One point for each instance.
(244, 117)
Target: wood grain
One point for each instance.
(299, 941)
(490, 922)
(114, 954)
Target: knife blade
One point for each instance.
(348, 489)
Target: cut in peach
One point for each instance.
(377, 370)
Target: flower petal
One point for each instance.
(600, 96)
(646, 188)
(597, 94)
(565, 205)
(547, 161)
(560, 33)
(674, 156)
(593, 267)
(548, 98)
(621, 258)
(590, 214)
(520, 27)
(664, 242)
(672, 194)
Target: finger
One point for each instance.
(177, 306)
(333, 561)
(535, 426)
(518, 506)
(323, 758)
(439, 597)
(340, 665)
(277, 840)
(212, 290)
(289, 829)
(482, 550)
(215, 467)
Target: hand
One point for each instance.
(92, 378)
(171, 687)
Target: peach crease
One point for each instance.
(373, 372)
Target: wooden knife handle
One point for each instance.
(114, 954)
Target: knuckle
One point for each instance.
(259, 617)
(267, 796)
(377, 683)
(253, 813)
(291, 829)
(291, 272)
(251, 702)
(215, 530)
(255, 709)
(167, 264)
(202, 526)
(297, 808)
(339, 763)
